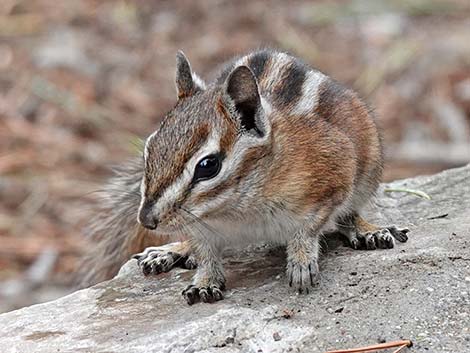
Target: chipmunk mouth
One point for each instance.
(174, 222)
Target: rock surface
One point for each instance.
(419, 290)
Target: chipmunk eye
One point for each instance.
(207, 168)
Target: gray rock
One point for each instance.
(419, 290)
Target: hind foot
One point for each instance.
(383, 238)
(364, 235)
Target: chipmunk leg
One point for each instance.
(157, 259)
(303, 251)
(302, 260)
(209, 280)
(364, 235)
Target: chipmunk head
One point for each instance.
(204, 158)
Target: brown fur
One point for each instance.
(363, 226)
(231, 129)
(309, 165)
(343, 109)
(323, 173)
(158, 175)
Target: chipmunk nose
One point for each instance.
(147, 218)
(149, 223)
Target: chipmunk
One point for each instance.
(272, 151)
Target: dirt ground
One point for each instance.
(82, 81)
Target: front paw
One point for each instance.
(302, 276)
(155, 260)
(208, 284)
(209, 294)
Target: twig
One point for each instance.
(401, 344)
(410, 191)
(440, 216)
(400, 348)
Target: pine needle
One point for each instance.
(400, 344)
(418, 193)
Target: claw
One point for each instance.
(190, 263)
(399, 234)
(355, 243)
(217, 293)
(146, 269)
(370, 241)
(302, 277)
(192, 294)
(380, 239)
(155, 261)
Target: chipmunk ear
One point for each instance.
(242, 92)
(187, 82)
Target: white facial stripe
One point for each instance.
(146, 154)
(147, 143)
(234, 158)
(142, 198)
(143, 186)
(230, 166)
(214, 203)
(309, 98)
(171, 194)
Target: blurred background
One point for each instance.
(81, 81)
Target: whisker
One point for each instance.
(204, 224)
(194, 228)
